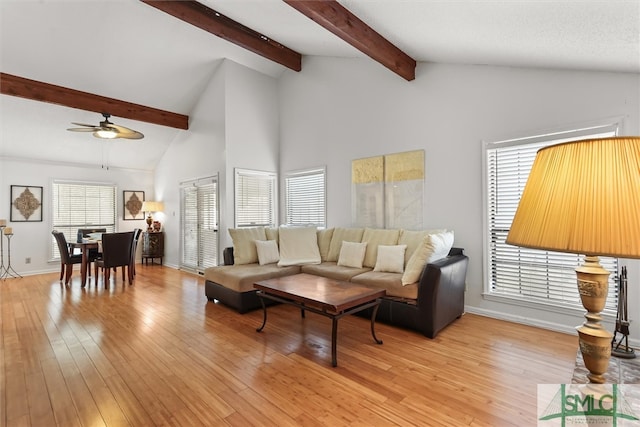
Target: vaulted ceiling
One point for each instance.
(157, 56)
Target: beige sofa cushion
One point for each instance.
(374, 238)
(340, 235)
(244, 246)
(391, 282)
(324, 240)
(334, 271)
(433, 247)
(298, 245)
(241, 278)
(412, 239)
(271, 233)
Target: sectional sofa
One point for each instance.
(423, 274)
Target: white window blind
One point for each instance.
(305, 198)
(199, 228)
(529, 274)
(77, 205)
(255, 198)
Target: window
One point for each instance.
(77, 205)
(255, 198)
(531, 275)
(305, 197)
(199, 224)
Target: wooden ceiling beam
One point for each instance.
(45, 92)
(226, 28)
(336, 18)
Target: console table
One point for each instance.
(152, 246)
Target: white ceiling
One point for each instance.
(131, 51)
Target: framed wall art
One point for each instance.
(132, 205)
(26, 203)
(367, 192)
(404, 189)
(387, 191)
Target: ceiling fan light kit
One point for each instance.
(105, 134)
(108, 130)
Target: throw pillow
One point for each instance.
(433, 247)
(390, 258)
(267, 251)
(413, 239)
(244, 247)
(374, 238)
(352, 254)
(298, 245)
(442, 244)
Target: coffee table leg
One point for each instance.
(264, 318)
(373, 323)
(334, 339)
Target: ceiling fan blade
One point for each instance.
(133, 135)
(91, 129)
(124, 132)
(83, 124)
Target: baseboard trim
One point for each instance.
(522, 320)
(557, 327)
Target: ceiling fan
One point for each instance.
(108, 130)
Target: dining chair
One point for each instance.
(67, 258)
(116, 252)
(134, 248)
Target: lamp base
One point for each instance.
(595, 341)
(595, 346)
(149, 222)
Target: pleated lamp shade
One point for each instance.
(152, 206)
(582, 197)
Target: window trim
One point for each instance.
(53, 245)
(322, 170)
(570, 132)
(273, 177)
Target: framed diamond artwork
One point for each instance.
(132, 205)
(26, 203)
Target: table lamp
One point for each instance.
(583, 197)
(150, 207)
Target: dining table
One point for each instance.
(84, 247)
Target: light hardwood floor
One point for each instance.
(157, 353)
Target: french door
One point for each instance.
(199, 224)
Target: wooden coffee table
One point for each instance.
(327, 297)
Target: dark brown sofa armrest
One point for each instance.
(441, 292)
(227, 255)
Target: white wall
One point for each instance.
(33, 239)
(253, 138)
(234, 124)
(196, 153)
(337, 110)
